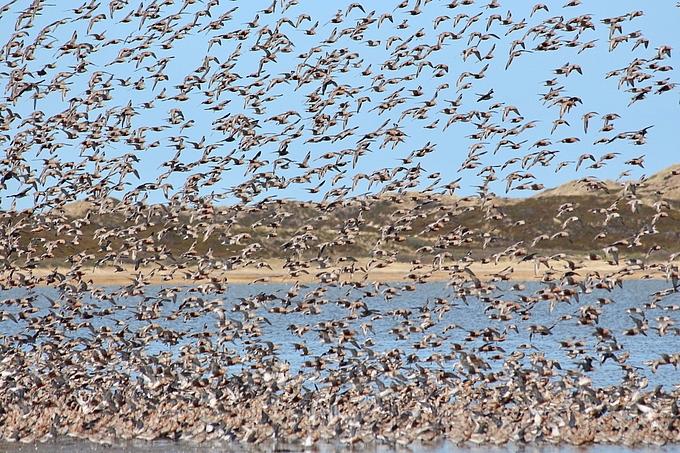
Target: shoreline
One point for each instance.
(396, 272)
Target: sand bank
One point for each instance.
(394, 272)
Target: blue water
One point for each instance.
(384, 316)
(415, 314)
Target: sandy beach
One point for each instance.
(394, 272)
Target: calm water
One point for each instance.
(442, 447)
(384, 318)
(406, 312)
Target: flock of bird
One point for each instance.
(285, 103)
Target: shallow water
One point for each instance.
(471, 315)
(440, 447)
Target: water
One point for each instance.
(405, 313)
(72, 446)
(424, 330)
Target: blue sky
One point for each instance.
(521, 84)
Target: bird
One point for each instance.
(145, 281)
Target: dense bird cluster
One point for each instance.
(173, 162)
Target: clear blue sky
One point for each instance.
(521, 84)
